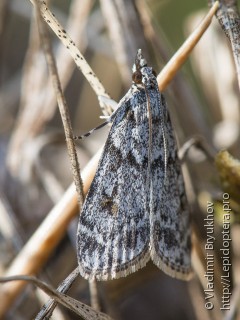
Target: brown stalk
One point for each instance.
(76, 306)
(79, 59)
(38, 102)
(178, 59)
(63, 108)
(38, 248)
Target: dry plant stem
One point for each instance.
(116, 35)
(133, 30)
(62, 108)
(231, 314)
(229, 19)
(3, 16)
(198, 262)
(217, 75)
(40, 95)
(164, 77)
(152, 35)
(199, 143)
(66, 123)
(38, 248)
(73, 50)
(178, 59)
(58, 314)
(182, 94)
(94, 294)
(126, 33)
(195, 292)
(29, 119)
(78, 307)
(48, 308)
(10, 228)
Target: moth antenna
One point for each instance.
(91, 131)
(149, 138)
(165, 152)
(164, 144)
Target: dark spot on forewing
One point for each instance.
(107, 204)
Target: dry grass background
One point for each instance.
(35, 169)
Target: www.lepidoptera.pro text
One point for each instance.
(136, 208)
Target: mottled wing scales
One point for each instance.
(170, 226)
(113, 235)
(136, 207)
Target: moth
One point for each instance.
(136, 208)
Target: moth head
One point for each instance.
(140, 61)
(142, 74)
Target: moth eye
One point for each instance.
(154, 73)
(137, 77)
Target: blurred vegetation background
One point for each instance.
(34, 166)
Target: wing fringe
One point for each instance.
(137, 263)
(171, 270)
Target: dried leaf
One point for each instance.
(74, 305)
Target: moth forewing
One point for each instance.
(136, 206)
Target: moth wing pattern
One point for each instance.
(136, 207)
(114, 232)
(169, 214)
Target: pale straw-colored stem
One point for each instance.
(36, 251)
(178, 59)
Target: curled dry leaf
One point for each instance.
(83, 310)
